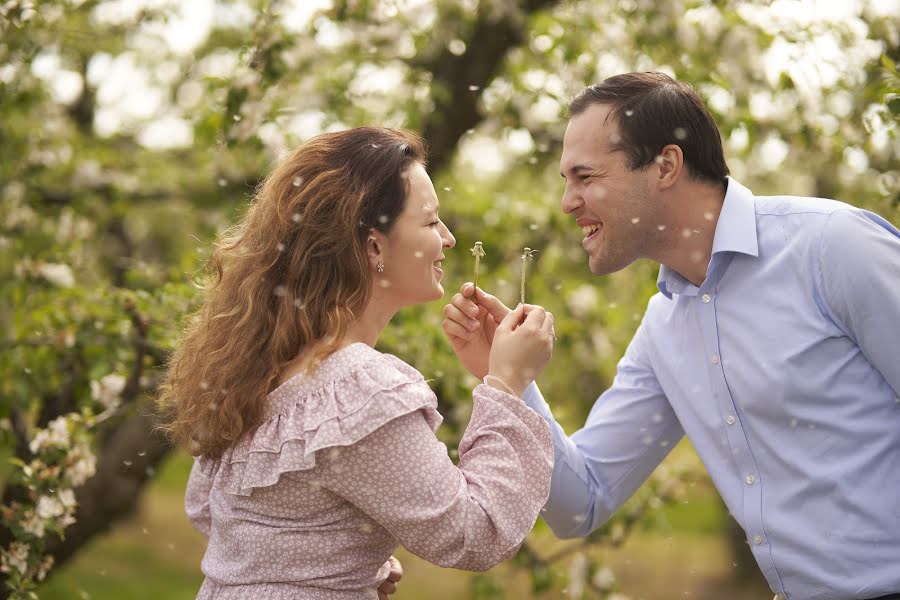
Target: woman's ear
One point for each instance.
(375, 248)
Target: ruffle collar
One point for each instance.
(352, 393)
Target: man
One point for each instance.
(772, 343)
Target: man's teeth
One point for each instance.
(589, 229)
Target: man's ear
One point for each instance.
(669, 164)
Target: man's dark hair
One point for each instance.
(654, 110)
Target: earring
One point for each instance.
(379, 267)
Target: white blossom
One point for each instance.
(108, 390)
(33, 524)
(56, 434)
(67, 497)
(58, 274)
(16, 557)
(45, 567)
(83, 465)
(49, 507)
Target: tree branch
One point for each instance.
(459, 80)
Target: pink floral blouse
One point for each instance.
(312, 503)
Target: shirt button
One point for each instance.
(715, 359)
(757, 539)
(730, 419)
(706, 298)
(750, 479)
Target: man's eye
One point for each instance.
(433, 223)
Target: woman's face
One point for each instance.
(413, 251)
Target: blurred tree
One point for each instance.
(133, 131)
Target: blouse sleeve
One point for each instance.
(469, 517)
(196, 499)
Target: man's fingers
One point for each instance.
(495, 308)
(536, 317)
(548, 325)
(513, 318)
(454, 329)
(466, 316)
(464, 305)
(387, 587)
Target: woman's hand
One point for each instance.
(522, 346)
(470, 326)
(389, 585)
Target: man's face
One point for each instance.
(611, 204)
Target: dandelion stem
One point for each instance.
(477, 252)
(527, 255)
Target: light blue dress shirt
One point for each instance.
(783, 368)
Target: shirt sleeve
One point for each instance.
(860, 278)
(469, 517)
(630, 430)
(196, 499)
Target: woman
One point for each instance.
(316, 453)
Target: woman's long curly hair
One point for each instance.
(292, 272)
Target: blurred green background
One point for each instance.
(133, 131)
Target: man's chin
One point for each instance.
(603, 267)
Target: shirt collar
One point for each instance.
(735, 232)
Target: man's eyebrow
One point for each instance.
(574, 170)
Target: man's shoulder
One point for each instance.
(658, 307)
(785, 206)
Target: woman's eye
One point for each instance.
(433, 223)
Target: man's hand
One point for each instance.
(389, 585)
(470, 326)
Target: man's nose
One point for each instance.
(570, 200)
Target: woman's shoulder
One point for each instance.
(349, 370)
(352, 393)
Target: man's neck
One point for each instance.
(692, 227)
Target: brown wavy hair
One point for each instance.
(292, 272)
